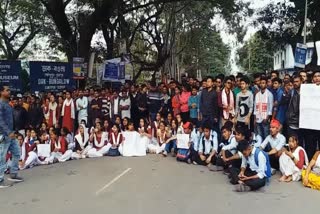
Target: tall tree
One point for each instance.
(256, 55)
(21, 21)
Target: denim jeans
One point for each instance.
(263, 129)
(170, 145)
(11, 145)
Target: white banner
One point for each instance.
(134, 144)
(183, 141)
(43, 150)
(309, 107)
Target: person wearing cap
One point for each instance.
(254, 167)
(273, 144)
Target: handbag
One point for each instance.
(113, 152)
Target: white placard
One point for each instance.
(43, 150)
(309, 107)
(134, 144)
(183, 141)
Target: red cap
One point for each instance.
(275, 123)
(186, 125)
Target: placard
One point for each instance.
(183, 141)
(43, 150)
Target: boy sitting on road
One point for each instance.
(208, 148)
(255, 169)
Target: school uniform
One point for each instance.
(82, 144)
(254, 166)
(206, 147)
(277, 143)
(62, 155)
(28, 153)
(230, 148)
(115, 142)
(100, 146)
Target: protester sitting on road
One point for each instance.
(99, 140)
(228, 149)
(311, 176)
(292, 161)
(273, 144)
(82, 144)
(208, 148)
(255, 169)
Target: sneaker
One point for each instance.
(165, 154)
(215, 168)
(226, 171)
(195, 163)
(189, 161)
(15, 178)
(4, 185)
(242, 188)
(273, 171)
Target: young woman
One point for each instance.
(184, 98)
(64, 132)
(115, 140)
(82, 144)
(169, 118)
(45, 109)
(180, 124)
(53, 120)
(99, 140)
(163, 134)
(292, 161)
(28, 151)
(43, 127)
(176, 102)
(125, 123)
(59, 150)
(106, 126)
(311, 176)
(68, 112)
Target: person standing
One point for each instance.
(244, 104)
(226, 101)
(68, 112)
(95, 108)
(8, 142)
(184, 98)
(82, 107)
(263, 109)
(142, 103)
(53, 120)
(19, 117)
(35, 114)
(155, 101)
(125, 105)
(209, 105)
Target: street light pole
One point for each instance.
(305, 23)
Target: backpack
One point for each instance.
(256, 160)
(113, 152)
(183, 155)
(203, 144)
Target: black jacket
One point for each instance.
(209, 103)
(19, 118)
(293, 109)
(35, 115)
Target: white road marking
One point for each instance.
(113, 181)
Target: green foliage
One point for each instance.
(256, 55)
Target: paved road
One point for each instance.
(152, 184)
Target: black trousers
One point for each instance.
(233, 163)
(274, 160)
(197, 159)
(312, 142)
(254, 184)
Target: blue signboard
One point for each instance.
(10, 74)
(51, 76)
(114, 70)
(300, 56)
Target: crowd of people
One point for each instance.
(247, 129)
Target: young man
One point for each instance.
(244, 104)
(255, 169)
(8, 141)
(273, 144)
(208, 148)
(263, 109)
(193, 104)
(226, 101)
(125, 105)
(82, 107)
(209, 105)
(155, 101)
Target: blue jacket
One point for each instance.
(6, 118)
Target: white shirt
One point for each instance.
(116, 106)
(262, 163)
(209, 144)
(125, 113)
(83, 102)
(232, 145)
(276, 143)
(195, 139)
